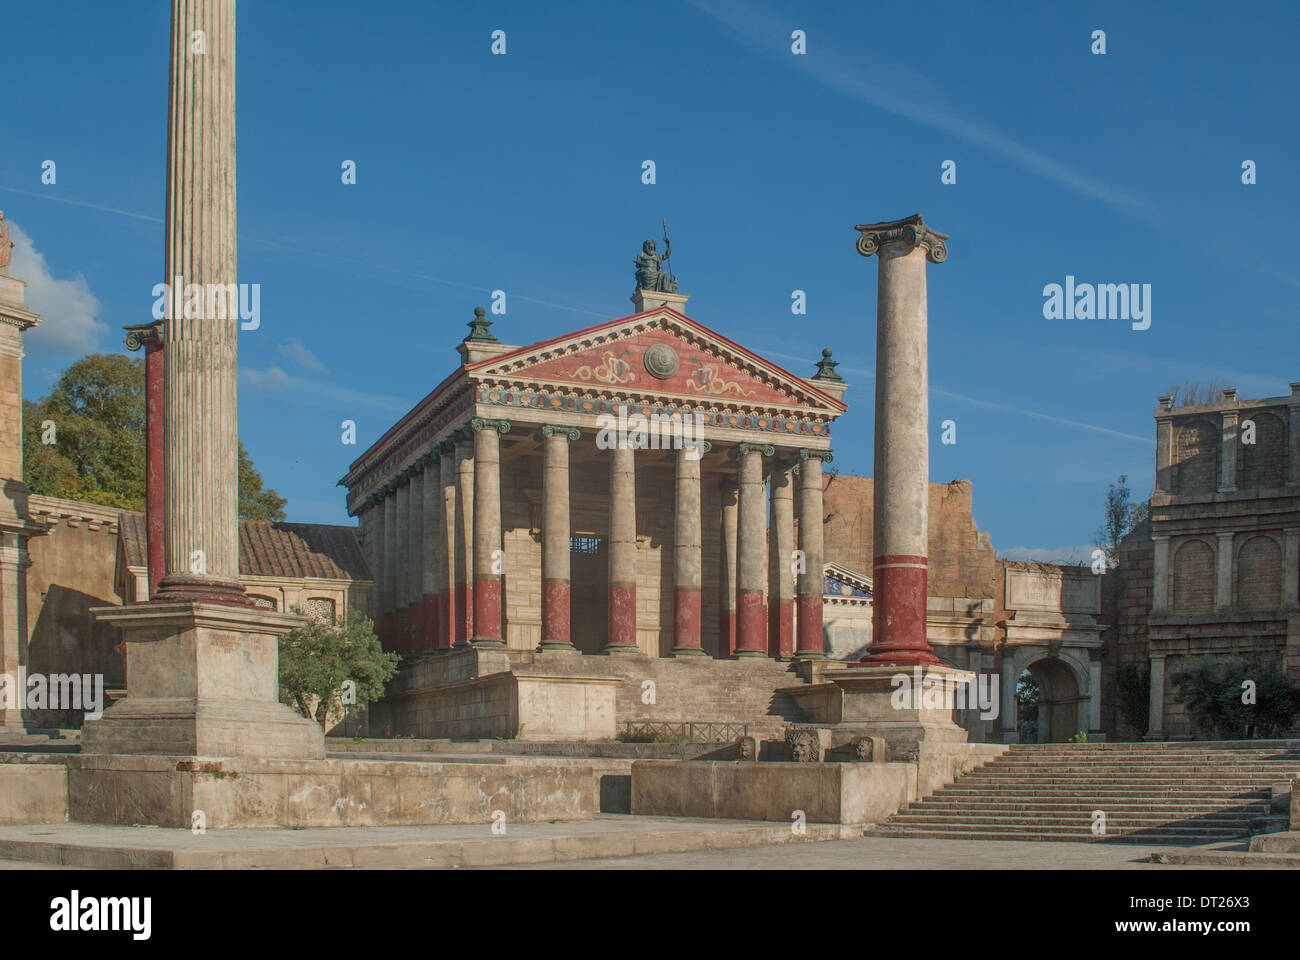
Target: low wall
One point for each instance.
(824, 792)
(324, 793)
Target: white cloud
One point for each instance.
(1066, 555)
(272, 378)
(299, 354)
(69, 311)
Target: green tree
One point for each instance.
(317, 658)
(1232, 699)
(94, 421)
(1120, 517)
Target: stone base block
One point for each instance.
(33, 793)
(822, 792)
(204, 681)
(250, 792)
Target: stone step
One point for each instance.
(1146, 837)
(1257, 808)
(1207, 821)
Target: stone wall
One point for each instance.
(72, 571)
(1126, 602)
(961, 557)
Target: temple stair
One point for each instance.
(1162, 793)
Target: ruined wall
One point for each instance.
(962, 561)
(72, 571)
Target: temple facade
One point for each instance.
(608, 491)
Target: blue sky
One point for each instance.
(523, 173)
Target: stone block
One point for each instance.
(33, 793)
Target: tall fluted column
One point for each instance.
(780, 554)
(447, 545)
(751, 535)
(489, 555)
(387, 634)
(399, 577)
(622, 551)
(688, 573)
(200, 403)
(415, 557)
(464, 540)
(811, 516)
(556, 534)
(902, 454)
(727, 574)
(431, 567)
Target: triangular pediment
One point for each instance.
(660, 353)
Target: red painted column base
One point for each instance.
(898, 615)
(811, 643)
(463, 614)
(556, 616)
(622, 618)
(780, 630)
(687, 607)
(487, 612)
(750, 625)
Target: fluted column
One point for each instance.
(688, 539)
(811, 516)
(902, 443)
(730, 521)
(447, 544)
(386, 629)
(489, 555)
(399, 577)
(432, 565)
(622, 551)
(200, 404)
(464, 540)
(556, 534)
(750, 563)
(375, 549)
(150, 337)
(780, 561)
(415, 556)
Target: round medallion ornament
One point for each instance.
(661, 361)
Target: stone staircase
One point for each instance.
(1162, 793)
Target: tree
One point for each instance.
(1193, 392)
(318, 658)
(1133, 695)
(85, 440)
(254, 502)
(1235, 700)
(1120, 517)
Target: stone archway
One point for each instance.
(1062, 704)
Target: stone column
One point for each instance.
(415, 588)
(902, 444)
(489, 555)
(1223, 573)
(1156, 716)
(1160, 574)
(556, 536)
(1291, 568)
(811, 518)
(447, 543)
(432, 566)
(688, 546)
(203, 661)
(1164, 445)
(622, 551)
(1230, 440)
(375, 540)
(150, 336)
(400, 576)
(1094, 691)
(464, 540)
(389, 634)
(727, 575)
(200, 406)
(1007, 699)
(1293, 437)
(750, 549)
(780, 562)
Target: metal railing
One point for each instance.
(691, 731)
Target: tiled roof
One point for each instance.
(268, 549)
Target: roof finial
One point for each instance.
(826, 367)
(479, 331)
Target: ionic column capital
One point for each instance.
(910, 230)
(825, 456)
(143, 334)
(740, 449)
(552, 430)
(484, 423)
